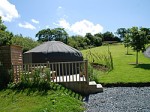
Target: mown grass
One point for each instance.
(125, 70)
(59, 99)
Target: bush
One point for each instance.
(94, 75)
(90, 72)
(5, 77)
(38, 78)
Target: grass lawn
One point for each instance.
(125, 70)
(59, 100)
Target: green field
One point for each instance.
(30, 100)
(125, 70)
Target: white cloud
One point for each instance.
(81, 27)
(59, 7)
(47, 26)
(8, 11)
(35, 21)
(26, 25)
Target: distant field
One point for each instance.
(124, 69)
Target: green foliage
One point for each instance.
(36, 78)
(104, 60)
(26, 42)
(77, 42)
(95, 40)
(2, 26)
(90, 72)
(139, 40)
(109, 36)
(121, 32)
(5, 36)
(5, 77)
(58, 34)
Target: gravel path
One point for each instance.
(119, 99)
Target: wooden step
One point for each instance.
(92, 83)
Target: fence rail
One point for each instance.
(55, 72)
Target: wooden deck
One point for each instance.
(70, 78)
(59, 71)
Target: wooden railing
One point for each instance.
(58, 71)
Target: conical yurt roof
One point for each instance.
(55, 47)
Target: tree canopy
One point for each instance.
(5, 36)
(58, 34)
(27, 43)
(138, 40)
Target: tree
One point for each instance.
(127, 41)
(26, 43)
(58, 34)
(124, 34)
(97, 41)
(89, 36)
(77, 42)
(5, 36)
(108, 36)
(138, 40)
(147, 31)
(2, 26)
(44, 35)
(121, 32)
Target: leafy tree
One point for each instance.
(27, 43)
(5, 36)
(77, 42)
(44, 35)
(97, 41)
(58, 34)
(121, 32)
(90, 37)
(147, 31)
(108, 36)
(127, 42)
(139, 40)
(99, 35)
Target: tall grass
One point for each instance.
(104, 60)
(98, 63)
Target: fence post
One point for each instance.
(86, 71)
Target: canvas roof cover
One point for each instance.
(52, 51)
(55, 47)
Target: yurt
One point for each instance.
(52, 51)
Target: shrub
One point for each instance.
(5, 77)
(38, 78)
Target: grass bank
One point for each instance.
(59, 99)
(125, 70)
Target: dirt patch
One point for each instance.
(100, 67)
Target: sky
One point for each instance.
(78, 17)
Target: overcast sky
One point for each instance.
(78, 17)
